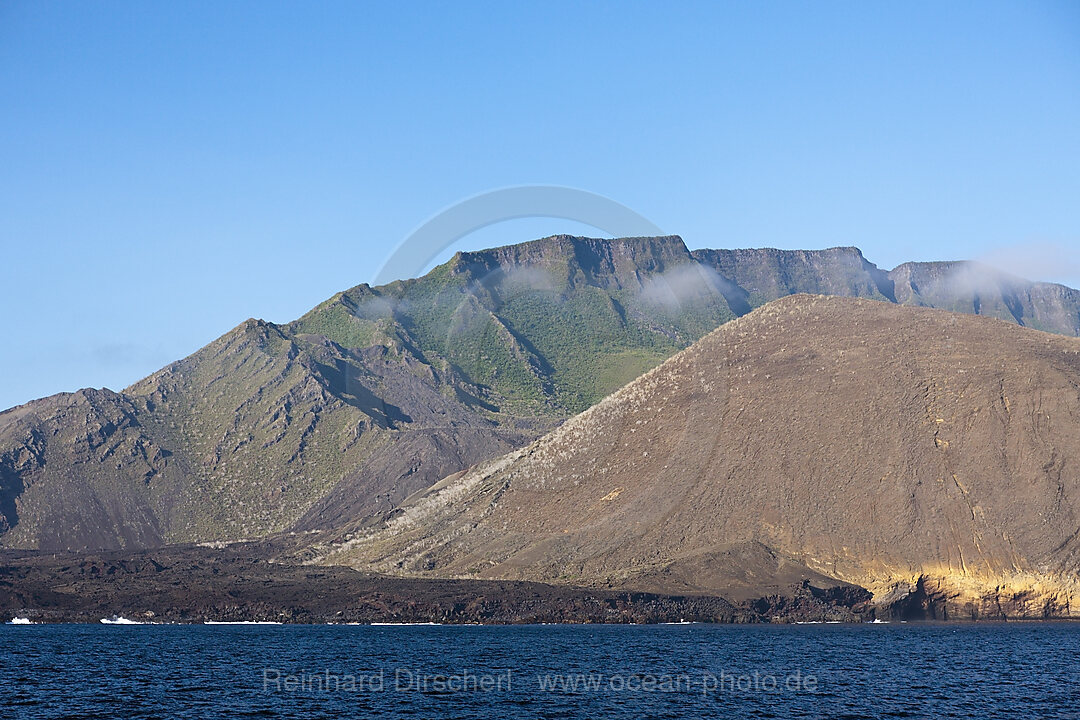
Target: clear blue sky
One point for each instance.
(170, 169)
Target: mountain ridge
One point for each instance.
(377, 393)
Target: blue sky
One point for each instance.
(170, 169)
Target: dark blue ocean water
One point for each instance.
(695, 671)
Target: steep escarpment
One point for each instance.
(752, 278)
(977, 289)
(927, 456)
(760, 276)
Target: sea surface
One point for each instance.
(680, 671)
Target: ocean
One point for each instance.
(527, 672)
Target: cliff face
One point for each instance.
(927, 456)
(761, 276)
(380, 392)
(980, 290)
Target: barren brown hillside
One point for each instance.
(902, 449)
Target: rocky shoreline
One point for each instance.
(193, 584)
(196, 584)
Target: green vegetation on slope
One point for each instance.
(549, 340)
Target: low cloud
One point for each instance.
(526, 279)
(374, 307)
(683, 284)
(1037, 261)
(976, 278)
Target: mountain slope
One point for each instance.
(548, 327)
(77, 470)
(379, 392)
(240, 439)
(272, 428)
(906, 450)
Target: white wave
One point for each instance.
(117, 620)
(241, 622)
(384, 624)
(21, 621)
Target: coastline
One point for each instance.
(196, 585)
